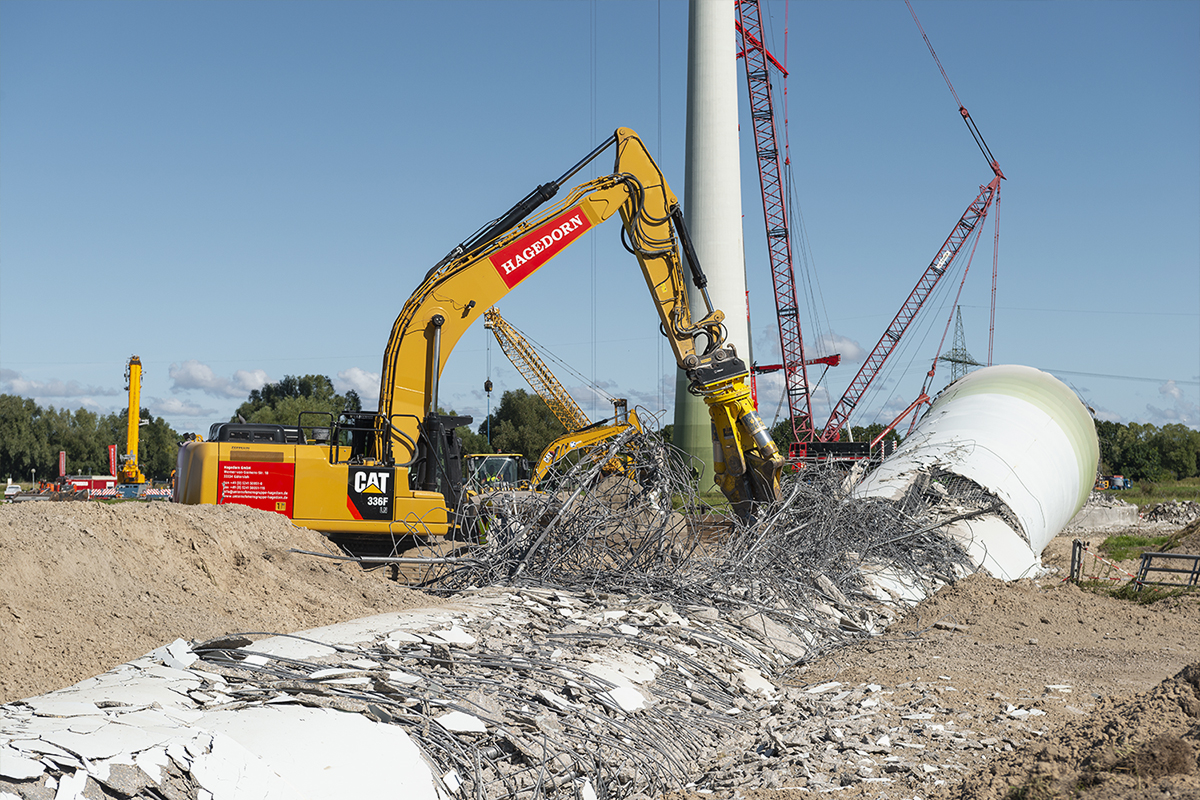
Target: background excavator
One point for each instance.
(582, 434)
(398, 472)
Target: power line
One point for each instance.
(1095, 311)
(1118, 377)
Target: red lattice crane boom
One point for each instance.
(970, 220)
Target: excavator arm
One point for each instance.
(478, 273)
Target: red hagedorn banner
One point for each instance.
(519, 260)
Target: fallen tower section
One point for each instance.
(1001, 461)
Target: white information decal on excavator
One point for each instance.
(517, 261)
(369, 492)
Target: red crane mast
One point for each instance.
(779, 245)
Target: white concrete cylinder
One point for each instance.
(1021, 434)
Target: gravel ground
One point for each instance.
(986, 690)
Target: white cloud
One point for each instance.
(11, 382)
(852, 352)
(1182, 410)
(366, 384)
(250, 380)
(192, 374)
(174, 407)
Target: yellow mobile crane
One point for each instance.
(399, 471)
(129, 473)
(581, 432)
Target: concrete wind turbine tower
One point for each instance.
(712, 201)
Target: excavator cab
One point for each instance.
(487, 472)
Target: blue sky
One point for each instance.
(240, 191)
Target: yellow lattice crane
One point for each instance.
(522, 355)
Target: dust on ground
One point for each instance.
(86, 586)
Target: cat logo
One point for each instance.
(369, 492)
(374, 482)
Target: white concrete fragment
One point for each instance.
(753, 679)
(153, 762)
(331, 672)
(461, 722)
(108, 740)
(178, 654)
(626, 698)
(70, 787)
(17, 767)
(823, 687)
(400, 676)
(452, 781)
(329, 753)
(455, 635)
(361, 681)
(622, 668)
(557, 700)
(49, 707)
(231, 772)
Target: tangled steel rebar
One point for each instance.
(626, 521)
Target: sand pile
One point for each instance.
(87, 586)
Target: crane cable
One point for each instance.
(975, 134)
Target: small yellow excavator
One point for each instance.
(398, 471)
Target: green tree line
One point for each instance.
(783, 435)
(1143, 452)
(522, 423)
(31, 438)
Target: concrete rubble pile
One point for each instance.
(611, 639)
(797, 562)
(617, 698)
(1175, 512)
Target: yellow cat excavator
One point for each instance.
(398, 471)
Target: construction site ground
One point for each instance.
(986, 686)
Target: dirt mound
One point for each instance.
(1146, 746)
(986, 690)
(87, 586)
